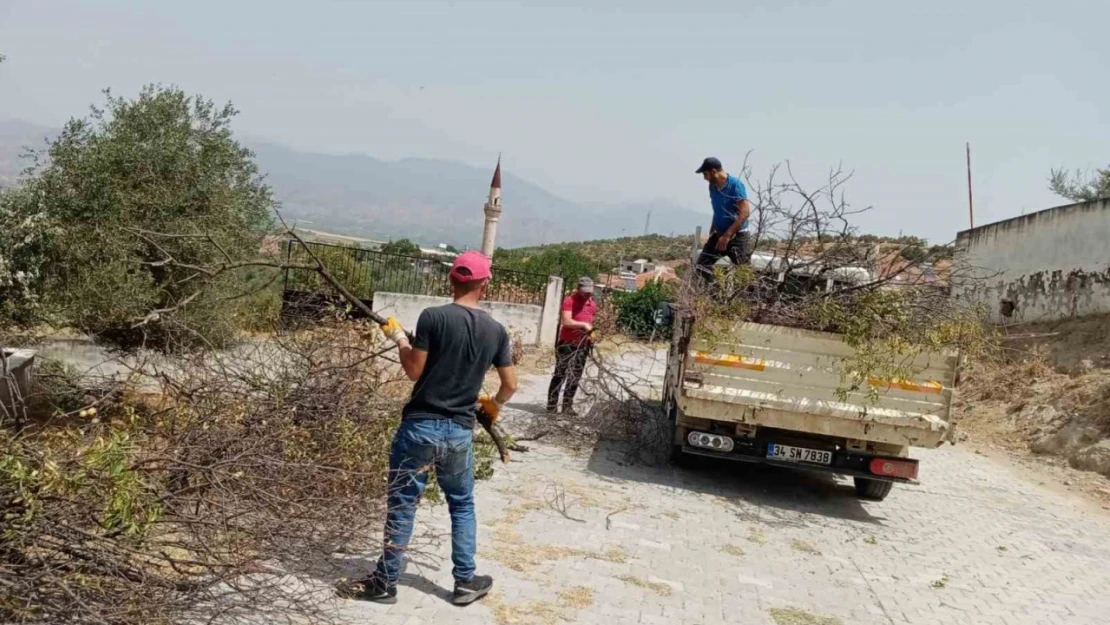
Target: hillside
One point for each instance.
(609, 252)
(426, 200)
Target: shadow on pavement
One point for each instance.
(757, 493)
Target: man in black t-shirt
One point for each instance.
(453, 348)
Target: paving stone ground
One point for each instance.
(587, 538)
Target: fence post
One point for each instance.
(697, 249)
(549, 316)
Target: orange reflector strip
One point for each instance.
(729, 360)
(931, 387)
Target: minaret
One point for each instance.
(493, 212)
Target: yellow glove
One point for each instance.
(394, 332)
(491, 406)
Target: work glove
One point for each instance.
(394, 332)
(490, 406)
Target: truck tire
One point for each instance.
(681, 459)
(875, 490)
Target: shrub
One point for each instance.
(636, 309)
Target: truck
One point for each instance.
(776, 395)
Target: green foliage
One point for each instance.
(605, 254)
(25, 239)
(566, 262)
(913, 253)
(403, 247)
(636, 309)
(889, 330)
(1078, 188)
(117, 194)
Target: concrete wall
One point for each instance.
(1049, 265)
(549, 322)
(536, 324)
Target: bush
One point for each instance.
(636, 309)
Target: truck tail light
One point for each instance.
(710, 441)
(895, 467)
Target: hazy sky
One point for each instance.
(614, 100)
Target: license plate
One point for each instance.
(798, 454)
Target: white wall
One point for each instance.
(549, 322)
(537, 324)
(1053, 264)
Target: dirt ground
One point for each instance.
(1044, 404)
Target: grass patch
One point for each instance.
(577, 596)
(663, 590)
(733, 550)
(804, 547)
(940, 583)
(535, 612)
(794, 616)
(756, 535)
(516, 553)
(870, 540)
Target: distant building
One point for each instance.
(638, 266)
(625, 279)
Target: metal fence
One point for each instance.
(364, 272)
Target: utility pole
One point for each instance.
(647, 223)
(970, 206)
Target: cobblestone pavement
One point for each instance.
(590, 539)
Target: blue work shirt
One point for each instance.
(724, 204)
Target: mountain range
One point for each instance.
(427, 200)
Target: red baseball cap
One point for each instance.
(471, 265)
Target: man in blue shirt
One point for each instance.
(729, 234)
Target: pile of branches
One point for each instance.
(888, 302)
(211, 487)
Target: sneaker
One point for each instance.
(469, 592)
(570, 411)
(369, 589)
(552, 408)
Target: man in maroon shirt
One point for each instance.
(573, 347)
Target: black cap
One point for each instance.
(709, 163)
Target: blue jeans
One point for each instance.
(419, 446)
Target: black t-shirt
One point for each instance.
(461, 343)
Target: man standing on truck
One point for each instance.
(448, 358)
(573, 347)
(728, 234)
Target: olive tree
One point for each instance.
(137, 181)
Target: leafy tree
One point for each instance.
(913, 252)
(565, 262)
(1076, 188)
(116, 194)
(403, 247)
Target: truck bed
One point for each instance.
(787, 378)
